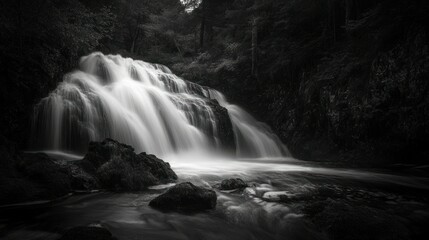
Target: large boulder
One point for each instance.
(37, 176)
(88, 233)
(46, 172)
(185, 196)
(15, 188)
(100, 153)
(80, 179)
(231, 184)
(119, 168)
(59, 176)
(156, 167)
(108, 164)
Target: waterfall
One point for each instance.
(146, 106)
(252, 138)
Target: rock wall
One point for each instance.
(365, 101)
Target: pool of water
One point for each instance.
(286, 199)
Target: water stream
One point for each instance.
(286, 199)
(146, 106)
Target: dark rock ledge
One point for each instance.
(107, 165)
(117, 167)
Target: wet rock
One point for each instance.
(108, 164)
(59, 177)
(156, 167)
(34, 176)
(119, 168)
(80, 179)
(185, 196)
(47, 172)
(16, 189)
(224, 125)
(233, 183)
(88, 233)
(100, 153)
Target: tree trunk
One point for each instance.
(203, 24)
(20, 27)
(132, 46)
(134, 40)
(202, 31)
(254, 46)
(195, 40)
(334, 22)
(348, 6)
(176, 43)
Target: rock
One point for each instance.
(185, 196)
(88, 233)
(100, 153)
(16, 189)
(159, 169)
(108, 164)
(58, 176)
(80, 179)
(35, 176)
(118, 167)
(44, 170)
(224, 125)
(233, 183)
(7, 152)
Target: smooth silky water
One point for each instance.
(255, 213)
(146, 106)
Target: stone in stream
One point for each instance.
(185, 196)
(231, 184)
(118, 167)
(88, 233)
(108, 164)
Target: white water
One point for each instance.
(252, 138)
(143, 105)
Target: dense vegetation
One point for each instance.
(336, 79)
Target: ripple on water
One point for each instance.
(281, 202)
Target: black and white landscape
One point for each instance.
(214, 119)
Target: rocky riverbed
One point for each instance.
(285, 199)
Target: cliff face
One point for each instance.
(382, 112)
(363, 100)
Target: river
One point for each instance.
(286, 199)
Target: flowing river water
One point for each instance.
(286, 199)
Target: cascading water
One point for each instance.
(252, 138)
(143, 105)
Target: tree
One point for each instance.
(39, 41)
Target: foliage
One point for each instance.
(39, 41)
